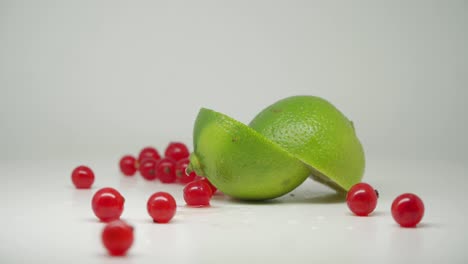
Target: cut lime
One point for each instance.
(241, 162)
(318, 134)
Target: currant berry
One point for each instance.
(197, 193)
(117, 237)
(108, 204)
(161, 207)
(408, 210)
(181, 172)
(148, 169)
(212, 187)
(165, 170)
(128, 165)
(148, 153)
(177, 151)
(361, 199)
(82, 177)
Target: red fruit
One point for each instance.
(161, 207)
(82, 177)
(165, 170)
(148, 169)
(177, 151)
(408, 210)
(148, 153)
(108, 204)
(128, 165)
(197, 193)
(181, 172)
(117, 237)
(362, 199)
(212, 187)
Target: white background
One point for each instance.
(88, 81)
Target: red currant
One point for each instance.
(197, 193)
(148, 169)
(148, 153)
(128, 165)
(362, 199)
(181, 172)
(117, 237)
(212, 187)
(165, 170)
(177, 151)
(108, 204)
(408, 210)
(82, 177)
(161, 207)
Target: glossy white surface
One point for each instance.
(45, 220)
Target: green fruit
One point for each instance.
(319, 135)
(240, 162)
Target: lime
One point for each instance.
(241, 162)
(318, 134)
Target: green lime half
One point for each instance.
(317, 133)
(241, 162)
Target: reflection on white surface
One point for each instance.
(58, 225)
